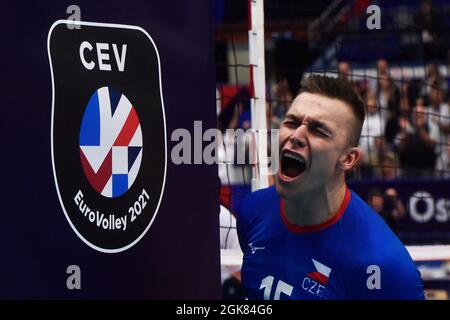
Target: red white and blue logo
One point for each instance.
(315, 282)
(110, 142)
(322, 273)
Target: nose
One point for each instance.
(298, 137)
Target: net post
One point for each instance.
(260, 178)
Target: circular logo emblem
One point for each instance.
(110, 151)
(109, 143)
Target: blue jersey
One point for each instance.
(353, 255)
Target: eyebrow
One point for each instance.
(312, 122)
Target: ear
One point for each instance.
(350, 158)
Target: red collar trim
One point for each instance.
(316, 227)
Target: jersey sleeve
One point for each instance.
(248, 214)
(396, 278)
(243, 212)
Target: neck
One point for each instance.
(315, 207)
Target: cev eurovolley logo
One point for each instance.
(108, 131)
(110, 142)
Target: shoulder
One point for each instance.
(366, 219)
(368, 232)
(253, 209)
(255, 201)
(378, 261)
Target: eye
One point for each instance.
(290, 123)
(319, 131)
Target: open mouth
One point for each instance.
(292, 164)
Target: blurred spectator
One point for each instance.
(373, 127)
(384, 160)
(344, 71)
(281, 99)
(428, 22)
(439, 115)
(393, 123)
(414, 91)
(416, 144)
(375, 199)
(433, 79)
(237, 113)
(382, 69)
(389, 166)
(381, 163)
(387, 204)
(388, 95)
